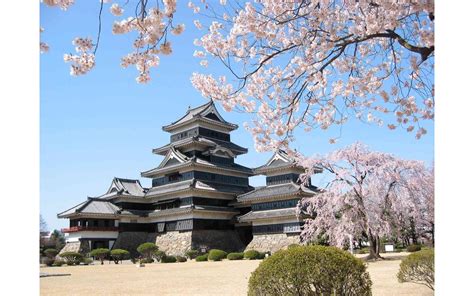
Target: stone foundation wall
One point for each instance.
(78, 247)
(177, 243)
(272, 242)
(174, 242)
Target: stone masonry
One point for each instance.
(174, 242)
(272, 242)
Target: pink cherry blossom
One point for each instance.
(371, 195)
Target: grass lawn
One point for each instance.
(193, 278)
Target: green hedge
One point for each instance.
(311, 270)
(202, 258)
(253, 255)
(235, 256)
(191, 254)
(158, 255)
(181, 259)
(168, 259)
(418, 268)
(216, 255)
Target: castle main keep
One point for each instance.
(200, 197)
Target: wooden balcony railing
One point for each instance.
(87, 228)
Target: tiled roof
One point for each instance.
(197, 161)
(250, 216)
(267, 192)
(199, 113)
(208, 142)
(92, 206)
(124, 187)
(193, 183)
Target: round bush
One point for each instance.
(216, 255)
(72, 258)
(158, 255)
(100, 254)
(119, 255)
(147, 249)
(191, 254)
(235, 256)
(418, 268)
(202, 258)
(181, 259)
(413, 248)
(311, 270)
(50, 253)
(253, 255)
(58, 263)
(168, 259)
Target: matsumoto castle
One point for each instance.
(200, 198)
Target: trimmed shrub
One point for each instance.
(58, 263)
(146, 260)
(235, 256)
(50, 253)
(48, 261)
(158, 255)
(147, 249)
(311, 270)
(87, 261)
(168, 259)
(181, 259)
(72, 258)
(413, 248)
(418, 268)
(253, 255)
(191, 254)
(100, 254)
(202, 258)
(216, 255)
(119, 255)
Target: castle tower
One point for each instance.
(195, 182)
(273, 217)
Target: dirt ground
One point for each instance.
(193, 278)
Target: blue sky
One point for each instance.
(104, 124)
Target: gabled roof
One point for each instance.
(126, 187)
(201, 140)
(91, 206)
(173, 157)
(279, 161)
(206, 112)
(277, 191)
(166, 166)
(194, 184)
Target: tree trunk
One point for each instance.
(374, 248)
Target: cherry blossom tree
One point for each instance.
(371, 195)
(315, 64)
(294, 64)
(151, 23)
